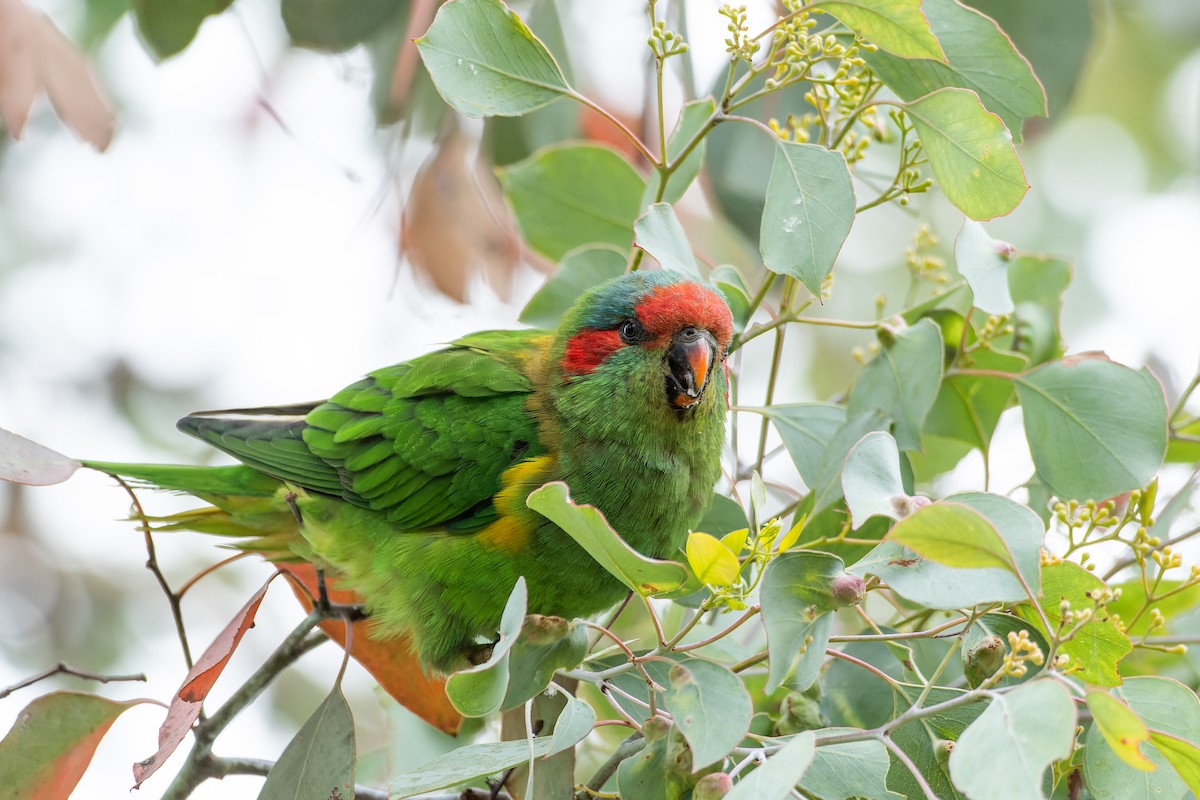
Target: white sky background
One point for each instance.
(211, 248)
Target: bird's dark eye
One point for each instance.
(631, 331)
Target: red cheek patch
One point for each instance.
(587, 349)
(669, 308)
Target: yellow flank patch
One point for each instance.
(512, 530)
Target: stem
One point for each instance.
(868, 667)
(63, 669)
(632, 745)
(633, 137)
(903, 758)
(750, 612)
(173, 598)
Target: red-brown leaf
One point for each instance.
(35, 56)
(185, 705)
(52, 743)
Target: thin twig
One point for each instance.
(632, 745)
(63, 669)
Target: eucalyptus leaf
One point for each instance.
(467, 763)
(848, 770)
(902, 380)
(485, 61)
(1003, 755)
(983, 261)
(480, 690)
(981, 58)
(796, 596)
(970, 152)
(897, 26)
(871, 480)
(555, 217)
(692, 119)
(779, 774)
(808, 214)
(580, 270)
(710, 706)
(1095, 428)
(659, 233)
(318, 762)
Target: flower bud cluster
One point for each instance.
(740, 45)
(1022, 651)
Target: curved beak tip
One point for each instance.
(690, 361)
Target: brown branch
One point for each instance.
(63, 669)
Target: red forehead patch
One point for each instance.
(667, 309)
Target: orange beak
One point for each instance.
(689, 361)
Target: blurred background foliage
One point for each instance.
(287, 203)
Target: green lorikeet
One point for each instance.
(410, 485)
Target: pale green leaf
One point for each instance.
(1183, 756)
(871, 480)
(902, 380)
(779, 774)
(796, 596)
(467, 763)
(319, 761)
(574, 723)
(659, 233)
(555, 216)
(580, 270)
(587, 526)
(808, 213)
(954, 535)
(480, 690)
(806, 430)
(897, 26)
(970, 151)
(710, 707)
(486, 62)
(848, 770)
(545, 646)
(983, 261)
(981, 58)
(1003, 755)
(1095, 428)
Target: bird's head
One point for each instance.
(656, 337)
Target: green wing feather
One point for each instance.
(424, 442)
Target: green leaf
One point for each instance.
(467, 763)
(167, 27)
(871, 479)
(692, 118)
(1036, 284)
(985, 644)
(723, 516)
(902, 380)
(1183, 756)
(485, 61)
(480, 690)
(546, 645)
(968, 407)
(659, 233)
(580, 270)
(587, 526)
(827, 486)
(555, 217)
(806, 430)
(53, 741)
(643, 775)
(981, 58)
(1003, 755)
(808, 213)
(319, 761)
(971, 153)
(848, 770)
(1163, 705)
(934, 585)
(1095, 428)
(897, 26)
(710, 707)
(733, 286)
(1097, 646)
(27, 462)
(954, 535)
(796, 595)
(574, 723)
(983, 261)
(925, 741)
(337, 25)
(779, 774)
(1122, 729)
